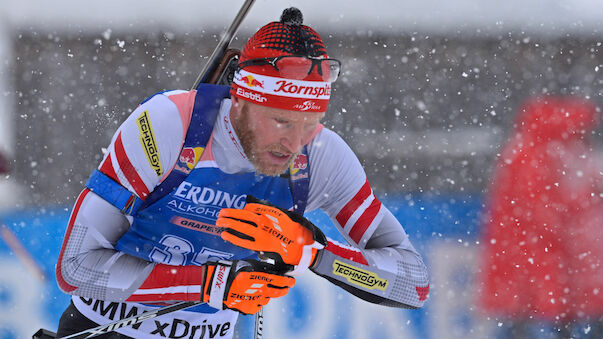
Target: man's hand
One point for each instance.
(286, 237)
(244, 286)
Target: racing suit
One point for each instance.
(116, 265)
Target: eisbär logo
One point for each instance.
(249, 95)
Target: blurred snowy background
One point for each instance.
(428, 94)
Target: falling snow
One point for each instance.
(427, 109)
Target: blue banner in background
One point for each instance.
(443, 228)
(28, 301)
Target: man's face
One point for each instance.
(272, 137)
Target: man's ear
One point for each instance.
(236, 106)
(235, 100)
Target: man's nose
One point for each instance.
(293, 140)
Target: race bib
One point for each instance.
(175, 325)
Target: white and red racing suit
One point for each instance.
(107, 283)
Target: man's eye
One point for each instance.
(308, 127)
(280, 121)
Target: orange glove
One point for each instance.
(286, 237)
(244, 286)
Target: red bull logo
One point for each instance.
(190, 156)
(250, 81)
(299, 163)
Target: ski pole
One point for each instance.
(133, 320)
(259, 324)
(220, 50)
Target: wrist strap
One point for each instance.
(309, 255)
(218, 286)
